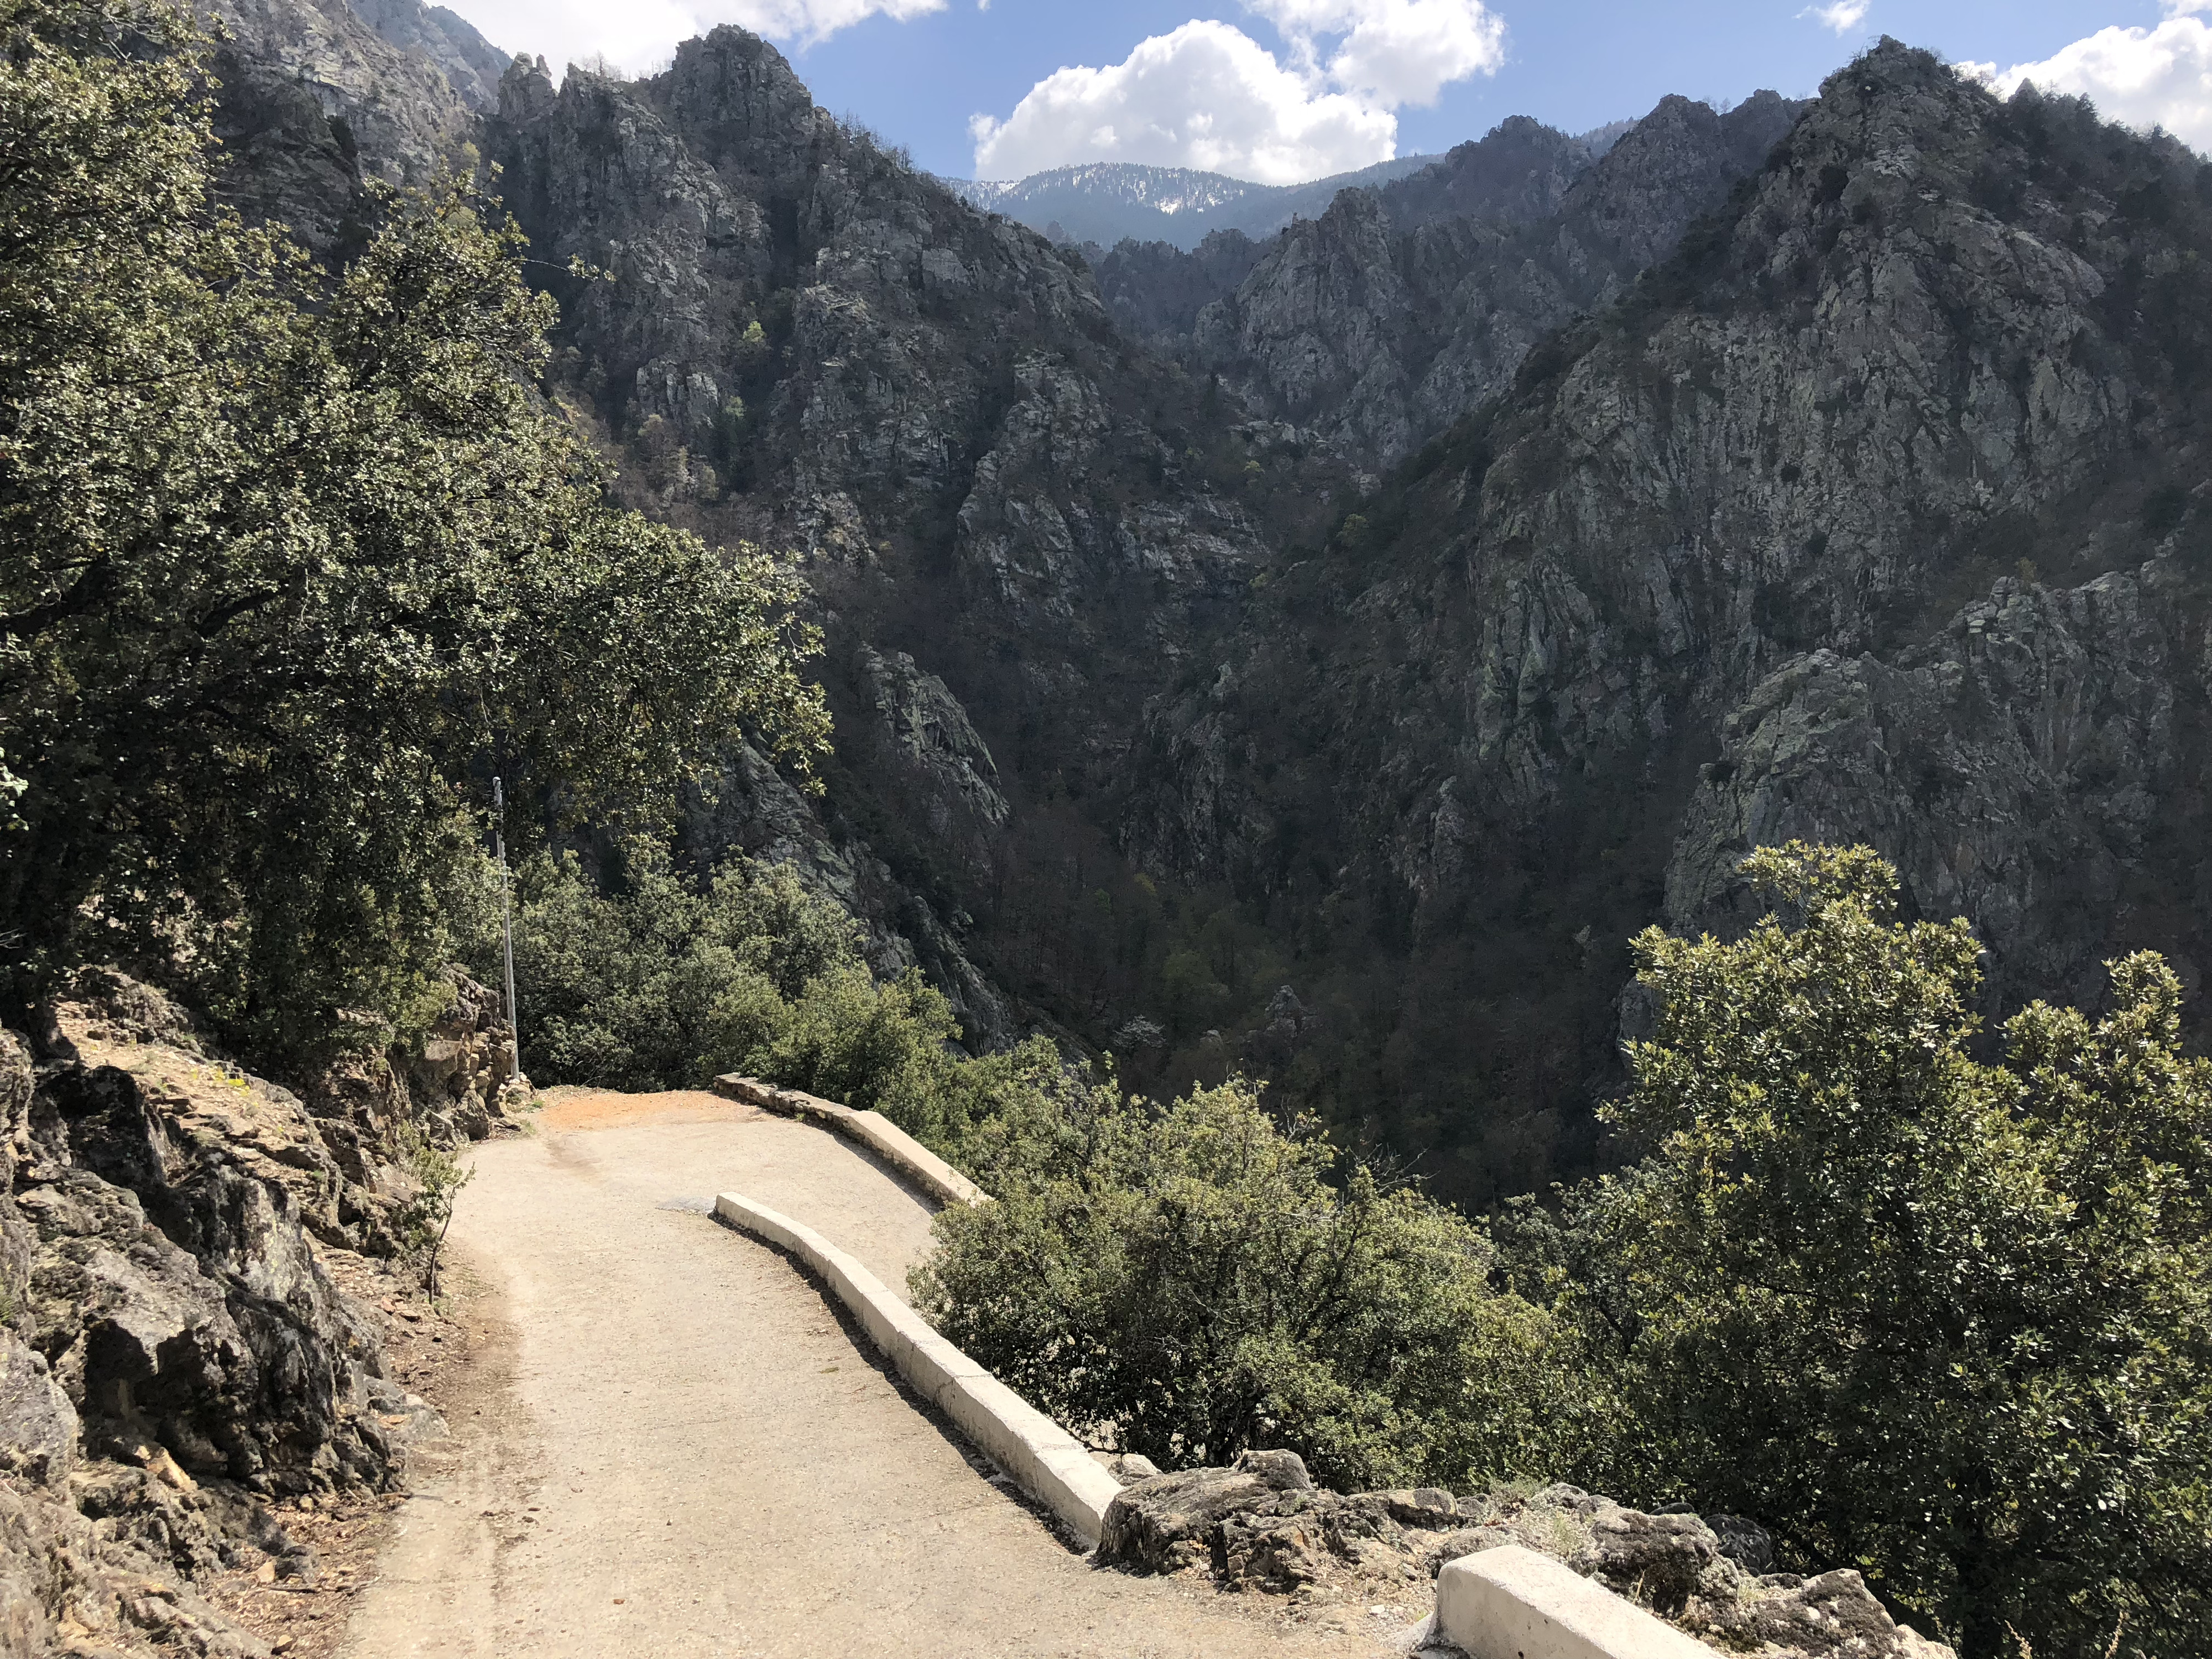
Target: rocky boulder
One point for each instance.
(37, 1424)
(1262, 1524)
(1171, 1522)
(174, 1352)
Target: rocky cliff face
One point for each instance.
(1741, 518)
(472, 66)
(2030, 766)
(314, 97)
(1398, 311)
(174, 1354)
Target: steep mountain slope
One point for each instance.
(1396, 312)
(1699, 581)
(1873, 508)
(807, 344)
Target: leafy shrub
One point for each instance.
(1946, 1320)
(1187, 1280)
(424, 1219)
(661, 981)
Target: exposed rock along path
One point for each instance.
(675, 1447)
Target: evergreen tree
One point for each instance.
(1945, 1319)
(295, 561)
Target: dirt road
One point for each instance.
(671, 1446)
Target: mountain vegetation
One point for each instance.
(1281, 692)
(297, 561)
(1947, 1319)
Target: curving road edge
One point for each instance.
(873, 1130)
(1039, 1456)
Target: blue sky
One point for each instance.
(1275, 88)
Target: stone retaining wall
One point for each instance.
(1040, 1457)
(1509, 1602)
(871, 1129)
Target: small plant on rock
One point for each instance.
(424, 1219)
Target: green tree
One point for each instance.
(663, 981)
(296, 561)
(1945, 1320)
(1189, 1278)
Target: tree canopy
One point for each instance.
(298, 559)
(1942, 1317)
(1197, 1279)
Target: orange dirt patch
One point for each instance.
(570, 1106)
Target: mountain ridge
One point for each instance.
(1110, 201)
(1297, 706)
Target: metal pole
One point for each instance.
(507, 925)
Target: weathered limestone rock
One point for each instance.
(68, 1587)
(1168, 1522)
(457, 1082)
(1263, 1525)
(172, 1352)
(2012, 768)
(38, 1425)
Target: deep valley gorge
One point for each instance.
(753, 904)
(1317, 656)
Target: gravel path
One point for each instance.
(667, 1442)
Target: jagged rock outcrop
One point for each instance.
(1398, 311)
(755, 810)
(1156, 290)
(1889, 373)
(1263, 1525)
(927, 722)
(1519, 172)
(172, 1286)
(312, 100)
(173, 1352)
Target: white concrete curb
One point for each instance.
(1512, 1603)
(1043, 1458)
(872, 1129)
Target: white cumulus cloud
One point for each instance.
(2146, 77)
(1208, 95)
(640, 35)
(1392, 52)
(1843, 16)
